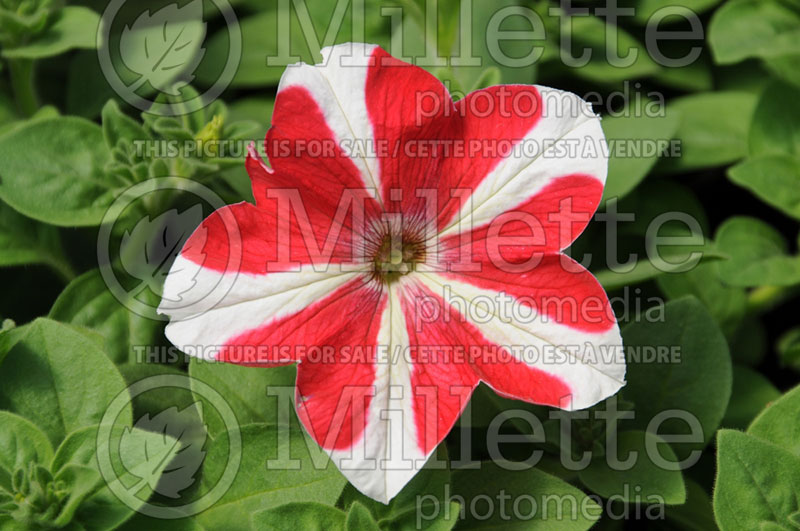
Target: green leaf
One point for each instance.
(173, 411)
(307, 516)
(748, 343)
(140, 521)
(192, 113)
(753, 28)
(727, 304)
(697, 514)
(118, 126)
(645, 480)
(178, 428)
(80, 482)
(151, 454)
(73, 27)
(242, 130)
(10, 334)
(170, 128)
(78, 447)
(247, 390)
(775, 179)
(160, 46)
(87, 301)
(428, 489)
(261, 34)
(154, 401)
(694, 77)
(147, 248)
(53, 171)
(757, 254)
(566, 507)
(493, 69)
(87, 90)
(485, 405)
(698, 383)
(713, 129)
(751, 393)
(445, 520)
(662, 209)
(43, 113)
(643, 270)
(21, 442)
(757, 482)
(780, 422)
(789, 348)
(626, 169)
(259, 486)
(489, 77)
(589, 32)
(8, 109)
(257, 45)
(260, 38)
(257, 108)
(58, 378)
(134, 474)
(775, 129)
(645, 9)
(359, 519)
(24, 241)
(785, 67)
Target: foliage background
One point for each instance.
(66, 150)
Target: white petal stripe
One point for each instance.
(338, 86)
(594, 369)
(518, 178)
(387, 456)
(250, 301)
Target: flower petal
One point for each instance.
(556, 318)
(472, 357)
(493, 121)
(408, 109)
(230, 278)
(380, 381)
(566, 142)
(334, 407)
(545, 223)
(320, 111)
(342, 319)
(442, 377)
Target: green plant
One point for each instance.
(716, 340)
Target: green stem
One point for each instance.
(21, 71)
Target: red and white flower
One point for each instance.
(418, 240)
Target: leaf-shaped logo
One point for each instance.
(179, 427)
(147, 251)
(159, 47)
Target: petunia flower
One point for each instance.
(403, 248)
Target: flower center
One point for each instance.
(395, 254)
